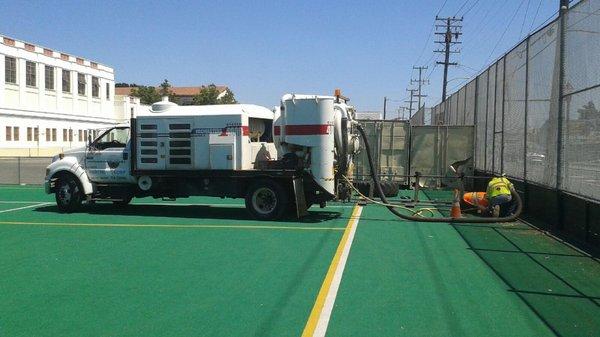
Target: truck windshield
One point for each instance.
(113, 138)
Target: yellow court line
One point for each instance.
(315, 313)
(167, 226)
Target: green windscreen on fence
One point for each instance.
(388, 141)
(435, 148)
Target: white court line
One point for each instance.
(24, 207)
(337, 279)
(17, 202)
(321, 312)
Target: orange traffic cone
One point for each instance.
(455, 211)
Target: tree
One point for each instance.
(125, 85)
(588, 111)
(147, 95)
(209, 95)
(228, 98)
(165, 90)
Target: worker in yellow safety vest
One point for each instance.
(499, 195)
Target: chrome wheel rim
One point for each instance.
(264, 200)
(65, 194)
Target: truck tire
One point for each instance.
(68, 194)
(266, 200)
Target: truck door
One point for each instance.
(108, 159)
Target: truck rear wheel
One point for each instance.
(68, 194)
(266, 200)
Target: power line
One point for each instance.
(461, 7)
(426, 44)
(468, 10)
(485, 23)
(535, 16)
(524, 19)
(503, 33)
(440, 10)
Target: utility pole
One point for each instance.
(411, 101)
(403, 109)
(451, 31)
(420, 82)
(384, 107)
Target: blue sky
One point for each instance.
(263, 50)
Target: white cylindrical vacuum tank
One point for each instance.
(308, 121)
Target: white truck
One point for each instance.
(288, 158)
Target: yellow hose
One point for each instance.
(418, 212)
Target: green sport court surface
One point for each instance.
(198, 267)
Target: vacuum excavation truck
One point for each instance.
(288, 158)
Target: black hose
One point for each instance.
(375, 178)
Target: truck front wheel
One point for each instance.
(266, 200)
(68, 194)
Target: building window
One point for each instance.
(81, 84)
(95, 87)
(29, 134)
(49, 79)
(53, 135)
(48, 134)
(65, 135)
(36, 134)
(80, 135)
(70, 135)
(15, 133)
(8, 133)
(10, 70)
(85, 135)
(108, 91)
(66, 81)
(30, 74)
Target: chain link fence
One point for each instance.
(536, 110)
(23, 170)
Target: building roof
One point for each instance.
(11, 42)
(178, 91)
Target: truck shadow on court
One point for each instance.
(189, 212)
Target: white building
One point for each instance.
(51, 101)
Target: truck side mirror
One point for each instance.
(89, 140)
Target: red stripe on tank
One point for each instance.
(307, 129)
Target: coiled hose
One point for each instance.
(392, 209)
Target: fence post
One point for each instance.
(19, 170)
(487, 100)
(526, 110)
(494, 117)
(503, 114)
(475, 124)
(564, 7)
